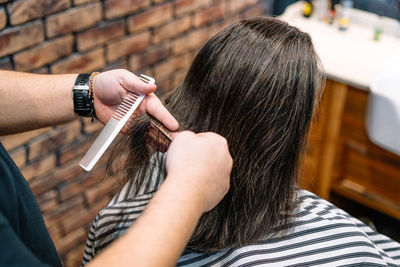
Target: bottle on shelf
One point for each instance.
(322, 10)
(398, 24)
(378, 28)
(332, 11)
(344, 20)
(308, 8)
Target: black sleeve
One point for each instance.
(13, 252)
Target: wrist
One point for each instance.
(83, 95)
(188, 192)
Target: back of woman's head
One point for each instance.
(256, 83)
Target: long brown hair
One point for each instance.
(256, 83)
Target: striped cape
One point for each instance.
(321, 235)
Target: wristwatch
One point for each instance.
(83, 105)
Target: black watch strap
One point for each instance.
(81, 95)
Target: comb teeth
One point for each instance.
(146, 79)
(130, 99)
(125, 105)
(158, 136)
(161, 128)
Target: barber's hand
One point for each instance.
(201, 162)
(111, 87)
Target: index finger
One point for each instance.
(152, 105)
(133, 83)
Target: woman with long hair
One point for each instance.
(257, 83)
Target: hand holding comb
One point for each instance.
(113, 126)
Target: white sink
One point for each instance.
(353, 58)
(383, 115)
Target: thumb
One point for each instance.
(132, 83)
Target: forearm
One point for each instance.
(31, 101)
(198, 167)
(160, 234)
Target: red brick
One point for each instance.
(19, 156)
(163, 86)
(80, 63)
(54, 139)
(210, 14)
(12, 141)
(84, 217)
(48, 201)
(96, 207)
(60, 175)
(5, 64)
(18, 38)
(74, 19)
(257, 10)
(179, 77)
(73, 258)
(40, 167)
(80, 2)
(108, 187)
(171, 65)
(44, 54)
(172, 29)
(191, 41)
(146, 70)
(135, 64)
(149, 57)
(237, 6)
(73, 150)
(73, 239)
(189, 58)
(120, 64)
(214, 28)
(23, 11)
(120, 8)
(100, 35)
(127, 46)
(91, 127)
(150, 18)
(42, 70)
(63, 211)
(186, 6)
(55, 232)
(229, 20)
(3, 18)
(78, 186)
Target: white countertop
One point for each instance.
(351, 56)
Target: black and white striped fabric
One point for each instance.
(321, 235)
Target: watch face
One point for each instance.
(81, 95)
(82, 79)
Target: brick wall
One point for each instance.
(155, 37)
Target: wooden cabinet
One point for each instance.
(341, 158)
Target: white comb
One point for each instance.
(113, 126)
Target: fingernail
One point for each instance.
(173, 134)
